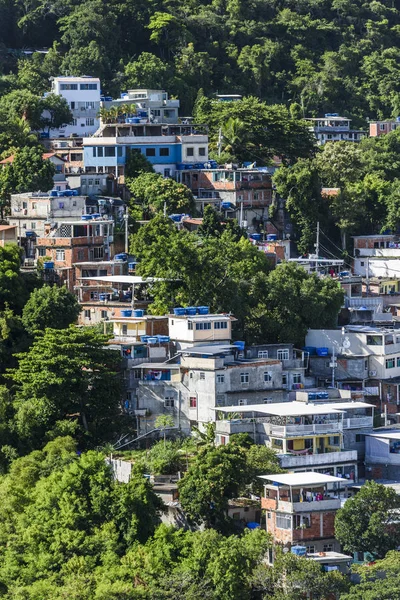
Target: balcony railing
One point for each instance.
(289, 461)
(356, 422)
(293, 430)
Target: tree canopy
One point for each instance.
(368, 522)
(50, 306)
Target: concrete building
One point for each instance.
(206, 378)
(301, 509)
(189, 330)
(382, 454)
(154, 105)
(378, 128)
(8, 235)
(377, 256)
(83, 97)
(167, 147)
(73, 242)
(333, 128)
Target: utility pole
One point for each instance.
(367, 275)
(333, 365)
(317, 242)
(219, 141)
(126, 230)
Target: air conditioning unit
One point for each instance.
(372, 373)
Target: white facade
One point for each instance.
(83, 97)
(333, 128)
(188, 331)
(155, 104)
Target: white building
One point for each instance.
(152, 104)
(333, 128)
(377, 255)
(189, 330)
(83, 97)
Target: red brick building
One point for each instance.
(301, 508)
(378, 128)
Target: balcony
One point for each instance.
(301, 430)
(290, 461)
(356, 422)
(301, 507)
(293, 363)
(230, 427)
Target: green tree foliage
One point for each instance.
(148, 71)
(379, 580)
(67, 375)
(56, 112)
(14, 287)
(155, 194)
(368, 522)
(50, 306)
(136, 164)
(293, 577)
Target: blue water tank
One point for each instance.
(61, 194)
(191, 310)
(256, 236)
(86, 217)
(203, 310)
(176, 218)
(227, 206)
(48, 265)
(152, 340)
(132, 266)
(144, 338)
(30, 234)
(126, 313)
(120, 257)
(135, 120)
(311, 350)
(271, 237)
(322, 351)
(103, 297)
(163, 339)
(53, 193)
(299, 550)
(75, 192)
(96, 216)
(179, 312)
(67, 193)
(240, 345)
(138, 312)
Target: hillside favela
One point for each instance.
(200, 300)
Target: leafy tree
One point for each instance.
(211, 225)
(22, 104)
(215, 475)
(14, 288)
(136, 164)
(148, 71)
(28, 172)
(379, 580)
(367, 522)
(56, 112)
(67, 375)
(157, 194)
(292, 577)
(50, 306)
(164, 422)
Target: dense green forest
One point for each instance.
(340, 55)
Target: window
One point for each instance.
(81, 254)
(262, 354)
(156, 112)
(382, 126)
(390, 363)
(97, 182)
(296, 377)
(220, 378)
(328, 548)
(190, 325)
(60, 254)
(104, 314)
(124, 329)
(87, 86)
(34, 205)
(220, 400)
(362, 263)
(24, 205)
(87, 314)
(100, 151)
(94, 150)
(310, 549)
(72, 105)
(220, 325)
(268, 515)
(200, 326)
(398, 361)
(41, 251)
(283, 354)
(192, 401)
(89, 105)
(202, 375)
(283, 521)
(137, 374)
(68, 86)
(301, 521)
(33, 226)
(284, 378)
(164, 151)
(255, 195)
(89, 122)
(366, 365)
(119, 151)
(360, 437)
(75, 122)
(334, 440)
(374, 340)
(202, 152)
(98, 252)
(242, 402)
(189, 152)
(244, 378)
(267, 377)
(150, 151)
(90, 181)
(109, 151)
(169, 402)
(167, 172)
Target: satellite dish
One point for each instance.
(346, 343)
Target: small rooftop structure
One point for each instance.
(309, 479)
